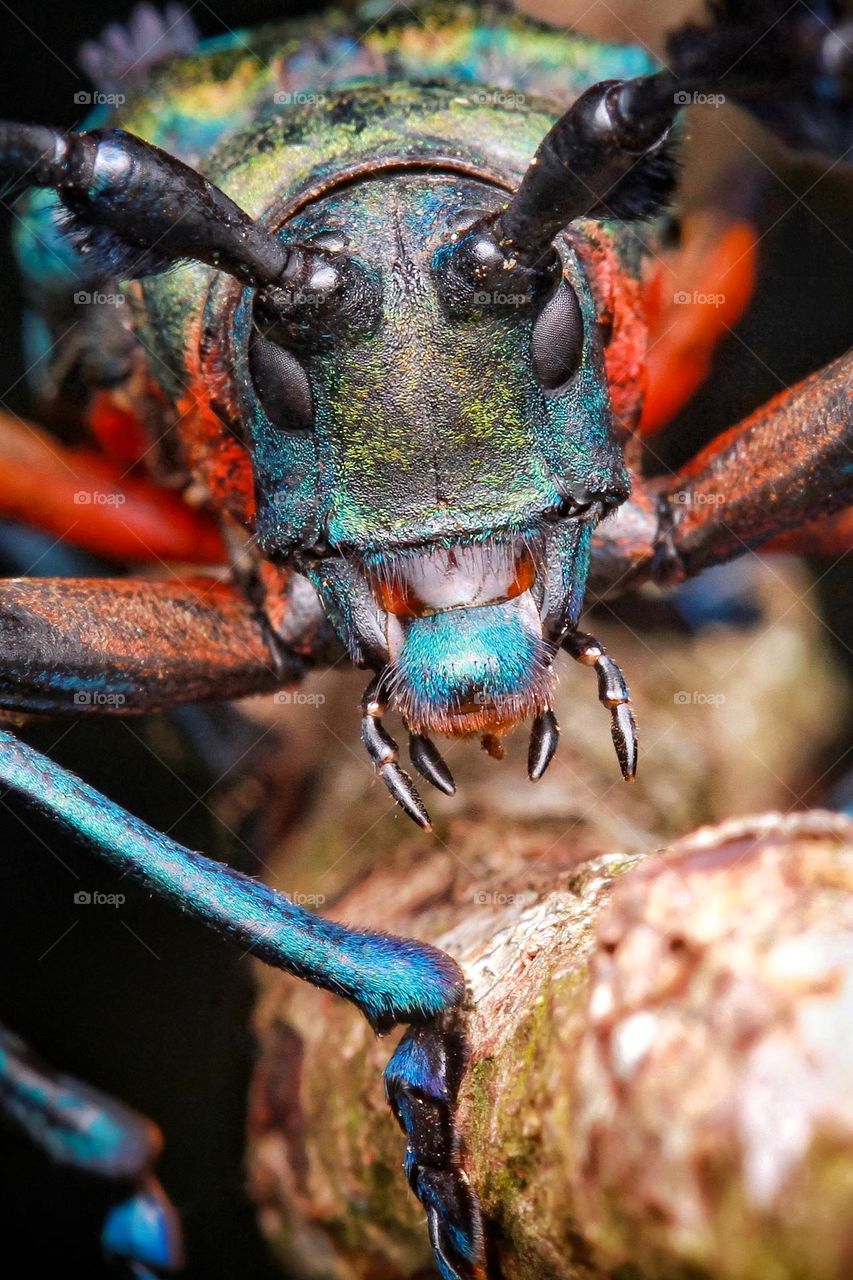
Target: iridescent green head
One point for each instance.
(425, 388)
(430, 429)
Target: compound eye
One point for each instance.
(557, 344)
(282, 386)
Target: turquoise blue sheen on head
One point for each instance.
(491, 650)
(418, 402)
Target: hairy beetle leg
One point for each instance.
(123, 645)
(384, 753)
(612, 693)
(422, 1084)
(389, 979)
(781, 474)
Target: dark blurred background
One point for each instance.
(150, 1007)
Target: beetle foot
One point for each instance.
(78, 1126)
(384, 753)
(422, 1085)
(613, 693)
(144, 1233)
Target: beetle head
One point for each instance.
(421, 385)
(429, 427)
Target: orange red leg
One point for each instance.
(96, 504)
(692, 300)
(124, 645)
(827, 536)
(783, 478)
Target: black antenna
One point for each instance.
(149, 208)
(593, 163)
(790, 65)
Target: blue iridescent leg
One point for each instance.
(79, 1126)
(422, 1084)
(390, 979)
(143, 1232)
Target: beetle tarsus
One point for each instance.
(623, 729)
(612, 693)
(544, 738)
(384, 753)
(422, 1087)
(429, 763)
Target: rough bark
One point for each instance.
(662, 1055)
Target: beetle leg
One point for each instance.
(93, 503)
(74, 1123)
(787, 463)
(126, 645)
(144, 1233)
(422, 1084)
(831, 536)
(613, 693)
(390, 979)
(773, 474)
(384, 753)
(78, 1126)
(716, 263)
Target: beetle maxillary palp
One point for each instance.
(428, 761)
(384, 753)
(544, 738)
(612, 693)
